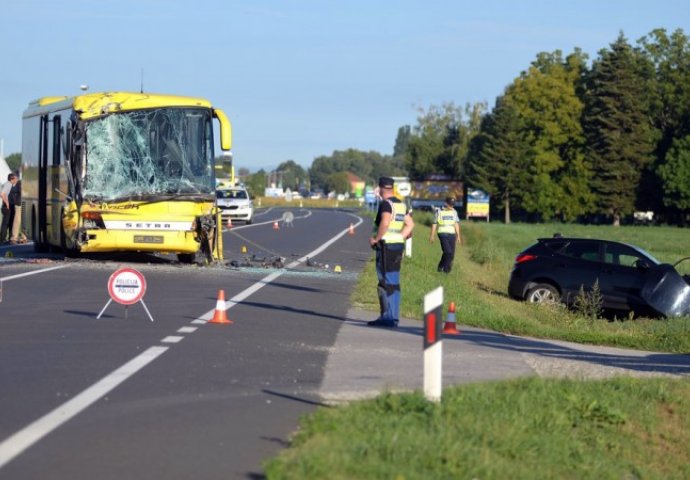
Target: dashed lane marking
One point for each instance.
(26, 437)
(172, 339)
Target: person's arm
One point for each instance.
(433, 233)
(5, 199)
(383, 228)
(458, 236)
(408, 226)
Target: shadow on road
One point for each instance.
(670, 363)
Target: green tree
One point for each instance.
(670, 97)
(675, 175)
(256, 183)
(620, 139)
(440, 141)
(14, 161)
(497, 156)
(386, 166)
(338, 183)
(669, 56)
(546, 101)
(402, 140)
(293, 175)
(529, 151)
(366, 165)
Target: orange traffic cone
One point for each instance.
(275, 225)
(220, 315)
(351, 230)
(229, 224)
(450, 327)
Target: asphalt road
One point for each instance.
(124, 397)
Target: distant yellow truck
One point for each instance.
(119, 171)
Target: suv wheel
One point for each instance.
(543, 293)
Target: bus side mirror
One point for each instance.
(225, 129)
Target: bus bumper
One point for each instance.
(139, 241)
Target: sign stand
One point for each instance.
(127, 286)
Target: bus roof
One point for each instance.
(91, 105)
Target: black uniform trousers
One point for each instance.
(448, 248)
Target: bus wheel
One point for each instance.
(196, 258)
(68, 252)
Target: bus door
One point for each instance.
(48, 182)
(39, 235)
(54, 222)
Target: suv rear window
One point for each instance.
(585, 250)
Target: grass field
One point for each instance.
(478, 284)
(530, 428)
(523, 429)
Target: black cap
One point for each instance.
(450, 200)
(386, 182)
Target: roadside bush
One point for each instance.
(589, 303)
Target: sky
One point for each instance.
(301, 78)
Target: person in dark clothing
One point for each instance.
(16, 214)
(6, 206)
(447, 223)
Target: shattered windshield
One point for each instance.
(158, 152)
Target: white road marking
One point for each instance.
(23, 439)
(32, 433)
(35, 272)
(187, 330)
(172, 339)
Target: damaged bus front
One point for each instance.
(109, 172)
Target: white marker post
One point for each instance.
(126, 286)
(433, 345)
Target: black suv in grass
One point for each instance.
(555, 269)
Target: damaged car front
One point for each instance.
(666, 290)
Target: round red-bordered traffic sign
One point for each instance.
(127, 286)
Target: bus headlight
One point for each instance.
(92, 220)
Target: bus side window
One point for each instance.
(66, 134)
(56, 140)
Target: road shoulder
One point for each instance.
(366, 361)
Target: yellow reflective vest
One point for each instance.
(446, 219)
(393, 234)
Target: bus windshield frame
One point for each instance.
(159, 153)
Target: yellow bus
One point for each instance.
(118, 171)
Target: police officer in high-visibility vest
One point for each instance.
(447, 223)
(392, 226)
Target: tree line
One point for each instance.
(566, 140)
(570, 141)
